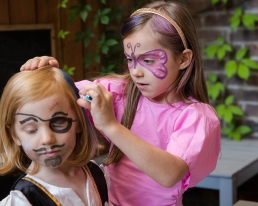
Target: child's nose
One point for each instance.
(47, 136)
(137, 71)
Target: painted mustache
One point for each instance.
(45, 149)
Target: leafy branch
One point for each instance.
(239, 66)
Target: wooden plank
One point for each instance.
(4, 12)
(245, 203)
(72, 52)
(22, 11)
(47, 12)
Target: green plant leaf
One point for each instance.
(62, 4)
(241, 53)
(103, 1)
(227, 47)
(235, 136)
(243, 71)
(104, 49)
(212, 77)
(243, 130)
(211, 50)
(236, 110)
(220, 41)
(111, 42)
(105, 11)
(234, 22)
(69, 70)
(220, 109)
(84, 15)
(249, 20)
(250, 63)
(104, 19)
(97, 58)
(221, 53)
(62, 34)
(238, 11)
(217, 88)
(214, 2)
(227, 116)
(74, 12)
(231, 68)
(229, 100)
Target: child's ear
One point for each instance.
(186, 58)
(15, 138)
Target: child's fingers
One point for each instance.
(85, 104)
(37, 62)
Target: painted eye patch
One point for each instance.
(154, 61)
(57, 124)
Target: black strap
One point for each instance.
(100, 181)
(38, 197)
(33, 193)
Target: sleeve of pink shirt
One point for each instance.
(196, 140)
(114, 86)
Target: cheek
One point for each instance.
(28, 145)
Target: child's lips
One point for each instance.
(141, 86)
(50, 153)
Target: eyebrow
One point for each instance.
(34, 117)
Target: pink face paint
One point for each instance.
(154, 61)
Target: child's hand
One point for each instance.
(37, 62)
(101, 105)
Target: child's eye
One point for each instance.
(129, 60)
(148, 61)
(59, 124)
(31, 131)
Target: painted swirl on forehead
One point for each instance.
(153, 60)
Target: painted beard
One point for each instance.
(53, 162)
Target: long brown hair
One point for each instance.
(190, 81)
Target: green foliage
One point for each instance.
(248, 20)
(69, 70)
(214, 86)
(239, 66)
(214, 2)
(105, 52)
(63, 4)
(62, 34)
(219, 49)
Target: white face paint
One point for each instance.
(46, 130)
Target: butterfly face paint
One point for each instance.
(154, 60)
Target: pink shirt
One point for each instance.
(189, 131)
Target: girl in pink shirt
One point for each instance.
(164, 135)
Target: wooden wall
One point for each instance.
(30, 12)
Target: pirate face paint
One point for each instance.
(47, 136)
(152, 67)
(154, 61)
(58, 124)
